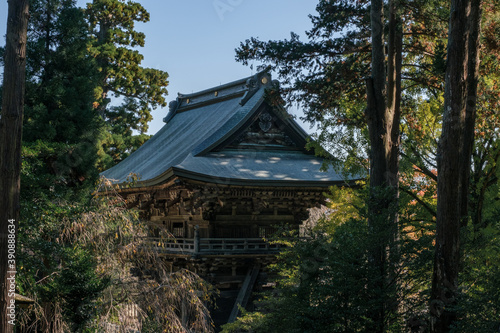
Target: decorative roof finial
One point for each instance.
(261, 79)
(172, 108)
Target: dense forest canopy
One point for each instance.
(359, 59)
(87, 105)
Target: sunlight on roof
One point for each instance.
(262, 173)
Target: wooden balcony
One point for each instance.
(201, 246)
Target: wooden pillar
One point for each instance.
(196, 239)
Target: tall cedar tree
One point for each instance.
(383, 113)
(61, 131)
(10, 147)
(61, 80)
(114, 46)
(454, 157)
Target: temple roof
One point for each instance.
(230, 134)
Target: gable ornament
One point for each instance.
(265, 122)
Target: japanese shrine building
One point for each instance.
(228, 166)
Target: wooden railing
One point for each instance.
(210, 245)
(236, 245)
(178, 245)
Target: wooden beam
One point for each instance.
(245, 292)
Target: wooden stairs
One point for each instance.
(245, 292)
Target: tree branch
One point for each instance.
(420, 201)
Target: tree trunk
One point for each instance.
(454, 157)
(10, 151)
(383, 118)
(47, 72)
(474, 26)
(384, 100)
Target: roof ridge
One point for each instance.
(245, 87)
(226, 85)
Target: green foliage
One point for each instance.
(77, 60)
(114, 42)
(61, 128)
(56, 180)
(480, 285)
(76, 286)
(249, 322)
(59, 264)
(61, 277)
(120, 140)
(61, 76)
(323, 285)
(480, 279)
(328, 282)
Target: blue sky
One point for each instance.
(194, 40)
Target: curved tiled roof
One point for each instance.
(189, 144)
